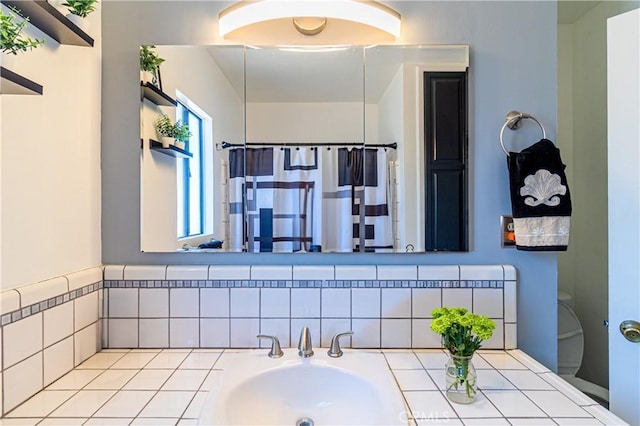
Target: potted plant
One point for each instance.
(462, 334)
(12, 41)
(149, 64)
(172, 133)
(79, 10)
(181, 133)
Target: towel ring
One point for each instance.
(513, 122)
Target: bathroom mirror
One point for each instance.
(302, 151)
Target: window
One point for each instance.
(190, 179)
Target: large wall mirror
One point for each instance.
(295, 150)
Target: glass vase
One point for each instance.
(461, 379)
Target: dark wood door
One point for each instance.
(446, 147)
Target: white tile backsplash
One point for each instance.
(488, 302)
(9, 301)
(229, 272)
(58, 360)
(458, 297)
(396, 333)
(438, 272)
(58, 323)
(510, 302)
(123, 333)
(365, 303)
(85, 310)
(23, 379)
(245, 302)
(154, 332)
(510, 273)
(274, 303)
(243, 332)
(422, 336)
(232, 316)
(481, 272)
(214, 333)
(366, 333)
(85, 277)
(184, 303)
(424, 301)
(184, 333)
(145, 272)
(335, 302)
(356, 272)
(396, 302)
(214, 302)
(397, 272)
(123, 303)
(114, 272)
(330, 327)
(22, 339)
(37, 292)
(510, 336)
(187, 272)
(497, 339)
(154, 302)
(314, 272)
(85, 343)
(271, 272)
(305, 302)
(278, 327)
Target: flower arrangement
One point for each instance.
(462, 334)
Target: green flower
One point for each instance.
(462, 331)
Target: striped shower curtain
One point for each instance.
(309, 199)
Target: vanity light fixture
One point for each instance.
(313, 49)
(309, 17)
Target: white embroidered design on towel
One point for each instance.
(543, 188)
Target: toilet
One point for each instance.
(571, 349)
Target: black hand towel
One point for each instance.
(540, 199)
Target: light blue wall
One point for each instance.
(513, 66)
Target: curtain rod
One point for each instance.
(239, 145)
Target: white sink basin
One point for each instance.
(355, 389)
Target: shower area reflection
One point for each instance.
(322, 198)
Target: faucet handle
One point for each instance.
(335, 351)
(276, 350)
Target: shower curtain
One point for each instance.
(309, 199)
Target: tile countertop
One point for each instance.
(168, 387)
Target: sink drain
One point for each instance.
(304, 421)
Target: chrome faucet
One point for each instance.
(335, 351)
(305, 350)
(276, 350)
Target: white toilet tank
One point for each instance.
(570, 337)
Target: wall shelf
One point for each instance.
(155, 95)
(15, 84)
(172, 151)
(51, 22)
